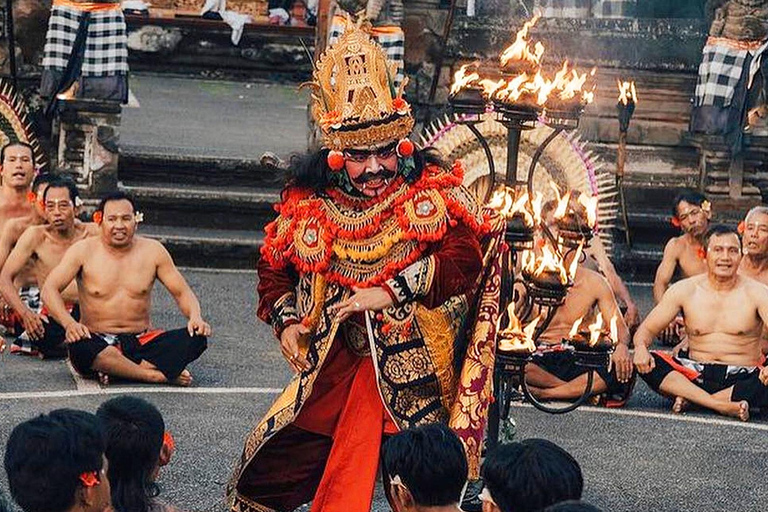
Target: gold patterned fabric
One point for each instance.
(469, 413)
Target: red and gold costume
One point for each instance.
(376, 372)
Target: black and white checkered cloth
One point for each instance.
(614, 8)
(563, 8)
(719, 73)
(106, 46)
(391, 39)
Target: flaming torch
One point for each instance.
(592, 344)
(625, 108)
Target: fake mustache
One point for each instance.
(383, 174)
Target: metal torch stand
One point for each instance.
(509, 370)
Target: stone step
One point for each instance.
(203, 207)
(141, 166)
(217, 248)
(639, 262)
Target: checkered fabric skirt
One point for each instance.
(719, 73)
(106, 46)
(391, 39)
(586, 8)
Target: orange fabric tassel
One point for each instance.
(362, 423)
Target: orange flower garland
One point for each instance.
(299, 205)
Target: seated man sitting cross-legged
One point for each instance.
(724, 313)
(115, 273)
(42, 247)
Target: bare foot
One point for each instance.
(680, 405)
(737, 410)
(184, 379)
(743, 410)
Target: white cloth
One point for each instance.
(234, 19)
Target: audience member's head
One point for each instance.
(529, 476)
(572, 506)
(55, 463)
(691, 212)
(426, 467)
(136, 449)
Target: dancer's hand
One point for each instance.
(363, 299)
(33, 324)
(764, 375)
(643, 359)
(76, 332)
(289, 346)
(622, 363)
(197, 325)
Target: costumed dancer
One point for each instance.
(367, 277)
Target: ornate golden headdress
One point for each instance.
(353, 99)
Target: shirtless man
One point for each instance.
(17, 169)
(44, 246)
(691, 212)
(554, 375)
(9, 235)
(115, 273)
(725, 313)
(754, 264)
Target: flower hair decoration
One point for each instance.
(89, 478)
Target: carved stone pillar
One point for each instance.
(86, 135)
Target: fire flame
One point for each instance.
(562, 201)
(575, 329)
(595, 330)
(548, 262)
(516, 338)
(590, 206)
(614, 329)
(461, 79)
(504, 202)
(627, 92)
(575, 263)
(567, 89)
(520, 50)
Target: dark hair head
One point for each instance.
(572, 506)
(720, 230)
(134, 429)
(430, 461)
(41, 179)
(690, 197)
(17, 143)
(312, 171)
(45, 457)
(116, 196)
(63, 182)
(531, 475)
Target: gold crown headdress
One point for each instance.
(353, 99)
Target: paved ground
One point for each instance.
(181, 117)
(639, 458)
